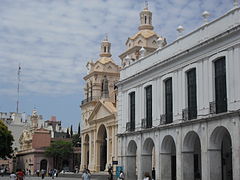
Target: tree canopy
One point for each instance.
(59, 150)
(6, 141)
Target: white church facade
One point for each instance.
(179, 106)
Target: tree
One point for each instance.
(79, 129)
(6, 141)
(71, 131)
(76, 140)
(68, 135)
(59, 150)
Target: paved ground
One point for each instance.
(94, 177)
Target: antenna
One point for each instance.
(18, 87)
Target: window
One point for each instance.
(168, 101)
(87, 93)
(132, 111)
(145, 19)
(148, 90)
(220, 85)
(192, 94)
(105, 49)
(91, 90)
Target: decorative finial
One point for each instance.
(235, 4)
(161, 42)
(146, 5)
(180, 29)
(106, 37)
(205, 16)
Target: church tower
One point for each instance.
(145, 19)
(99, 125)
(144, 42)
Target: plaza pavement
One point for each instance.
(67, 177)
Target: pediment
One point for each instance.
(100, 111)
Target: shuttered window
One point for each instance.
(132, 111)
(168, 100)
(148, 106)
(220, 85)
(192, 94)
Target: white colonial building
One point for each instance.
(179, 106)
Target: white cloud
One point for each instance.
(53, 39)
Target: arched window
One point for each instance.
(105, 49)
(145, 19)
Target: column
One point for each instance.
(82, 154)
(139, 159)
(205, 164)
(235, 149)
(179, 164)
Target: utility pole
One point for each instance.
(18, 86)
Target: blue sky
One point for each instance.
(54, 39)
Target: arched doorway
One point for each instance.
(131, 170)
(65, 165)
(148, 156)
(86, 149)
(220, 154)
(102, 148)
(168, 159)
(191, 157)
(43, 164)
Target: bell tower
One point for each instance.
(145, 19)
(105, 48)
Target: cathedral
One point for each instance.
(99, 112)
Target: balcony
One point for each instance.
(130, 126)
(189, 113)
(166, 118)
(90, 99)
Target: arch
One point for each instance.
(148, 155)
(220, 154)
(140, 42)
(131, 169)
(132, 148)
(217, 137)
(65, 165)
(168, 145)
(189, 141)
(148, 145)
(43, 164)
(191, 156)
(102, 147)
(168, 158)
